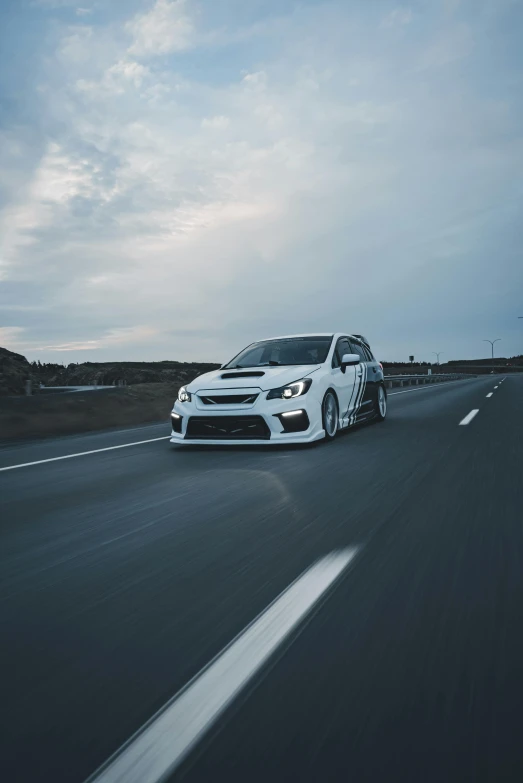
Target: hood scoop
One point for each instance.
(251, 374)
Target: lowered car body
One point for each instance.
(294, 389)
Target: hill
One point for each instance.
(15, 370)
(109, 373)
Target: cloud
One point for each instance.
(76, 46)
(166, 28)
(61, 181)
(113, 338)
(448, 47)
(397, 17)
(450, 7)
(219, 123)
(264, 177)
(116, 80)
(255, 80)
(10, 336)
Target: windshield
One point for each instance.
(274, 353)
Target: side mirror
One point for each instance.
(349, 360)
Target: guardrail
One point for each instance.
(419, 380)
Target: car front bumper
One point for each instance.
(280, 418)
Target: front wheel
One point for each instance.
(329, 410)
(381, 404)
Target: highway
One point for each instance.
(395, 655)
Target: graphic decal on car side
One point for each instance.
(360, 393)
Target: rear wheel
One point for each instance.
(329, 411)
(381, 404)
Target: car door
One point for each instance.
(344, 381)
(374, 377)
(364, 397)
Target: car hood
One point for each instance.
(272, 378)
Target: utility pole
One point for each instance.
(438, 354)
(492, 343)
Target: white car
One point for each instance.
(294, 389)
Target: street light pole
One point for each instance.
(492, 343)
(438, 354)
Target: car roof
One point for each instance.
(293, 336)
(313, 334)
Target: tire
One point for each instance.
(330, 415)
(381, 404)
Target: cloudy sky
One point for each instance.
(181, 177)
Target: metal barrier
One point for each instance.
(419, 380)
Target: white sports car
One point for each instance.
(293, 389)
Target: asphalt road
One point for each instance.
(125, 572)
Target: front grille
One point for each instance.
(230, 399)
(227, 428)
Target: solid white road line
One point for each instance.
(83, 453)
(490, 394)
(468, 418)
(159, 746)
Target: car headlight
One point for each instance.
(295, 389)
(184, 395)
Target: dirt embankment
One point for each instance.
(64, 414)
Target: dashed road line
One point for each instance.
(490, 394)
(468, 418)
(157, 748)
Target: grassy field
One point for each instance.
(64, 414)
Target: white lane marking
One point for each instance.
(495, 387)
(490, 394)
(159, 746)
(83, 453)
(468, 418)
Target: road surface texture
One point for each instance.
(395, 655)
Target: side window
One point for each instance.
(342, 347)
(359, 349)
(368, 353)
